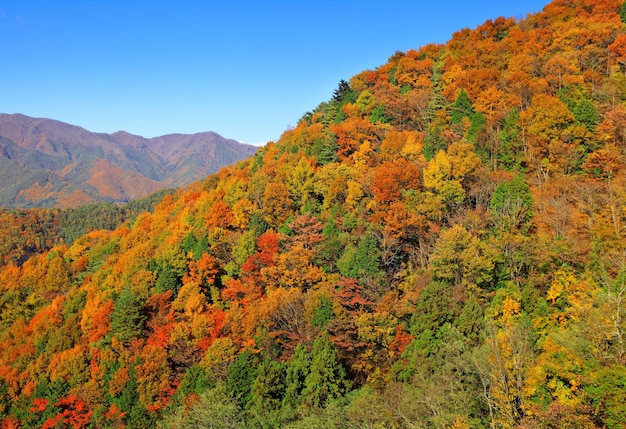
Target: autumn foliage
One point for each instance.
(440, 244)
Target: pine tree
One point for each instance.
(128, 318)
(241, 375)
(168, 280)
(470, 321)
(327, 378)
(462, 107)
(295, 378)
(268, 391)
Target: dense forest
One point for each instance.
(33, 231)
(441, 244)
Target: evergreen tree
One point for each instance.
(268, 391)
(510, 149)
(241, 375)
(470, 321)
(367, 258)
(327, 377)
(343, 93)
(5, 399)
(168, 279)
(137, 415)
(477, 124)
(202, 246)
(331, 247)
(190, 242)
(195, 381)
(128, 318)
(511, 205)
(326, 150)
(295, 379)
(462, 107)
(323, 313)
(52, 392)
(435, 310)
(607, 395)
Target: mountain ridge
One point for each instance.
(76, 163)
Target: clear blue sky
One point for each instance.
(244, 69)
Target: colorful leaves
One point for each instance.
(444, 236)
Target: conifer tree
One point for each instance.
(327, 377)
(128, 318)
(295, 378)
(462, 107)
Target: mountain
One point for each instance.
(440, 244)
(47, 163)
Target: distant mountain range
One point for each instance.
(48, 163)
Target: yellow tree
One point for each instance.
(504, 360)
(462, 259)
(439, 181)
(300, 181)
(549, 125)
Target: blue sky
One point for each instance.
(244, 69)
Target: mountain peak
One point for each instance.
(71, 158)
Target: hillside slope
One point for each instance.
(440, 244)
(47, 163)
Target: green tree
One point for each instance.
(362, 262)
(137, 415)
(607, 395)
(367, 258)
(201, 247)
(471, 321)
(327, 377)
(323, 313)
(477, 123)
(128, 318)
(511, 205)
(5, 400)
(326, 150)
(378, 115)
(189, 243)
(295, 378)
(579, 104)
(344, 94)
(434, 309)
(168, 279)
(268, 391)
(195, 381)
(461, 108)
(331, 247)
(52, 392)
(241, 375)
(510, 153)
(341, 96)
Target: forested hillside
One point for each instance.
(25, 233)
(48, 163)
(441, 244)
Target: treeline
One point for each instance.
(32, 231)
